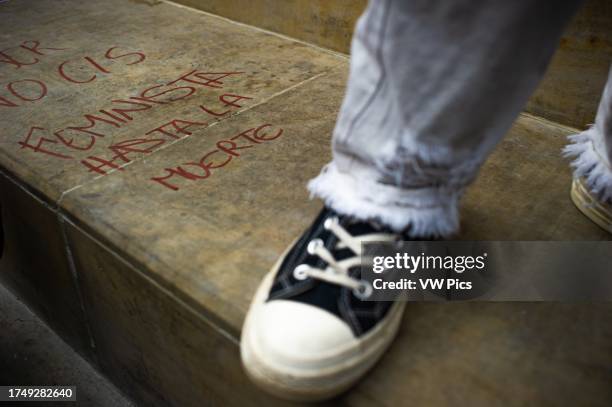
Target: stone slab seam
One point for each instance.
(75, 280)
(234, 114)
(564, 128)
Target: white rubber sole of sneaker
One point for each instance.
(325, 380)
(600, 213)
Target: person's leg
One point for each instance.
(592, 149)
(433, 86)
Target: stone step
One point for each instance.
(568, 94)
(147, 270)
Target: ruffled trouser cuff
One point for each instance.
(421, 212)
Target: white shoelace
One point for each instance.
(337, 272)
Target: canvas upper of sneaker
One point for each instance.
(340, 301)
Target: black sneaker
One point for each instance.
(308, 334)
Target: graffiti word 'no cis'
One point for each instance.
(226, 150)
(78, 71)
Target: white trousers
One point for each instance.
(433, 86)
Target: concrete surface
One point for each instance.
(82, 119)
(31, 354)
(141, 236)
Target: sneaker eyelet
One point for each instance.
(364, 291)
(313, 245)
(330, 221)
(299, 273)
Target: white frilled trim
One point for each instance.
(588, 163)
(425, 211)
